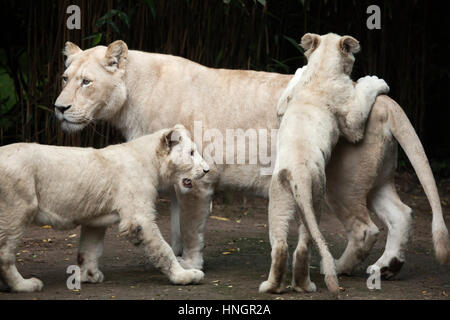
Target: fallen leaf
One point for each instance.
(226, 252)
(219, 218)
(46, 227)
(73, 235)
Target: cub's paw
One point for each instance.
(92, 276)
(185, 277)
(269, 287)
(28, 285)
(373, 83)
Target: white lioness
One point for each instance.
(323, 106)
(141, 92)
(66, 187)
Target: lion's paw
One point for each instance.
(375, 84)
(28, 285)
(270, 287)
(185, 277)
(310, 287)
(92, 276)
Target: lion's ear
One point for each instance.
(349, 45)
(171, 138)
(116, 56)
(70, 49)
(309, 43)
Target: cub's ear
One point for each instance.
(70, 49)
(116, 56)
(309, 43)
(171, 138)
(349, 45)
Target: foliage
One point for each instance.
(247, 34)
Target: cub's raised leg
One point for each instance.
(142, 229)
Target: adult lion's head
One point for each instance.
(93, 84)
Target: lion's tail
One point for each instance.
(406, 136)
(303, 196)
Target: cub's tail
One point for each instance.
(303, 196)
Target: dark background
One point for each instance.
(411, 52)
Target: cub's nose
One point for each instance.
(62, 108)
(205, 171)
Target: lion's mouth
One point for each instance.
(72, 122)
(187, 183)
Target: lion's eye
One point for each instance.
(64, 78)
(192, 153)
(85, 82)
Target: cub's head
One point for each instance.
(181, 163)
(331, 49)
(93, 84)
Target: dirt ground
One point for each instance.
(237, 258)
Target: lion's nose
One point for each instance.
(62, 108)
(205, 171)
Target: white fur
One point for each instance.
(66, 187)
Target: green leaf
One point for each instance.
(263, 2)
(114, 26)
(151, 5)
(97, 39)
(124, 18)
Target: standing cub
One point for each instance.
(66, 187)
(323, 105)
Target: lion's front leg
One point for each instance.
(194, 210)
(91, 249)
(142, 230)
(352, 124)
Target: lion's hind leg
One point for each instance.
(10, 236)
(281, 211)
(301, 281)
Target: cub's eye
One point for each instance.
(64, 78)
(85, 82)
(192, 153)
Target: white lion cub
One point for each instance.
(321, 106)
(66, 187)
